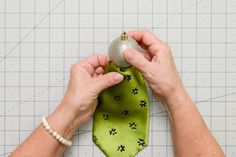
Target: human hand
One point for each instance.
(85, 84)
(156, 64)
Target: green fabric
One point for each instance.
(121, 120)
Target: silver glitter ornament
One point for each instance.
(118, 47)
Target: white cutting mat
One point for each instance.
(40, 39)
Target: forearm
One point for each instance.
(41, 143)
(191, 136)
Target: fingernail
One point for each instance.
(118, 77)
(128, 54)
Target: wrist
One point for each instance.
(178, 99)
(63, 120)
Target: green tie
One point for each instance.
(121, 120)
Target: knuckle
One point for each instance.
(167, 48)
(74, 68)
(146, 31)
(155, 48)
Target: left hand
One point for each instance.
(85, 84)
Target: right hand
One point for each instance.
(156, 64)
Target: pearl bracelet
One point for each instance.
(54, 133)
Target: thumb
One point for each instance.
(107, 80)
(136, 59)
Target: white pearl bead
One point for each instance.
(58, 136)
(60, 139)
(63, 141)
(47, 127)
(54, 134)
(50, 131)
(69, 143)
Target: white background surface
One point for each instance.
(40, 39)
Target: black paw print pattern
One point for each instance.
(141, 142)
(117, 98)
(125, 112)
(133, 125)
(143, 103)
(121, 148)
(95, 138)
(122, 69)
(143, 77)
(99, 100)
(135, 91)
(128, 77)
(112, 131)
(105, 116)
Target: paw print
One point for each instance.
(124, 113)
(133, 125)
(113, 131)
(99, 100)
(117, 98)
(143, 77)
(135, 91)
(122, 69)
(128, 77)
(141, 142)
(95, 138)
(121, 148)
(105, 116)
(143, 103)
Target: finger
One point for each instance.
(141, 44)
(144, 36)
(99, 70)
(97, 60)
(136, 59)
(107, 80)
(93, 62)
(147, 40)
(95, 74)
(84, 66)
(146, 55)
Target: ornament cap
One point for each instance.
(123, 36)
